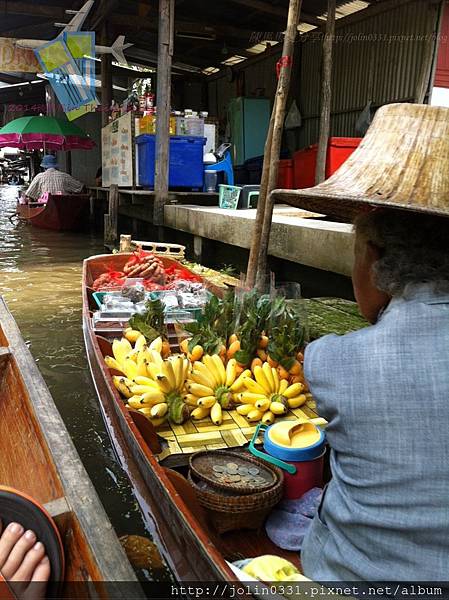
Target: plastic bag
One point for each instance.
(293, 118)
(364, 120)
(134, 290)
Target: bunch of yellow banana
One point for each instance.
(151, 385)
(268, 396)
(211, 387)
(158, 395)
(133, 361)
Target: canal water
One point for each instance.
(40, 279)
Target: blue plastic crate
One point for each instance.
(99, 296)
(186, 168)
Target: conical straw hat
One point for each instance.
(402, 163)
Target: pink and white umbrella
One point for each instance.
(49, 133)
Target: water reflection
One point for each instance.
(40, 278)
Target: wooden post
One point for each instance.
(326, 94)
(198, 249)
(106, 81)
(68, 162)
(430, 55)
(163, 102)
(50, 101)
(111, 219)
(253, 261)
(259, 249)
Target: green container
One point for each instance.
(229, 196)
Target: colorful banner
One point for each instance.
(82, 48)
(81, 45)
(16, 60)
(69, 85)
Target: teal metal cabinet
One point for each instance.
(249, 119)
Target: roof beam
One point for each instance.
(103, 11)
(10, 78)
(264, 7)
(29, 31)
(277, 11)
(149, 57)
(228, 31)
(311, 20)
(32, 9)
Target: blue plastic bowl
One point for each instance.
(294, 454)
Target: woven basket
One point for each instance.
(201, 464)
(227, 512)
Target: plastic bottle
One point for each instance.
(210, 181)
(149, 99)
(142, 101)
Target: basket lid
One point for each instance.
(232, 472)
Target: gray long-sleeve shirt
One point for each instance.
(385, 392)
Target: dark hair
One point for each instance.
(414, 247)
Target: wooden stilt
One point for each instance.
(326, 94)
(111, 219)
(258, 225)
(106, 81)
(163, 101)
(68, 163)
(259, 250)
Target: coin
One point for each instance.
(235, 478)
(232, 471)
(243, 471)
(218, 468)
(254, 471)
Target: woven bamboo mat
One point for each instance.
(235, 431)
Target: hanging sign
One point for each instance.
(69, 85)
(81, 45)
(16, 60)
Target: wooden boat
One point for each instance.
(38, 458)
(59, 213)
(193, 551)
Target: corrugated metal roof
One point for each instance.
(349, 8)
(377, 59)
(262, 46)
(341, 11)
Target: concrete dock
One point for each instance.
(303, 246)
(314, 243)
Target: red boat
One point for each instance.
(59, 213)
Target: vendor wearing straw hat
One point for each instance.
(52, 181)
(385, 389)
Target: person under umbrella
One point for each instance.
(52, 181)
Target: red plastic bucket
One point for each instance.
(309, 474)
(302, 466)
